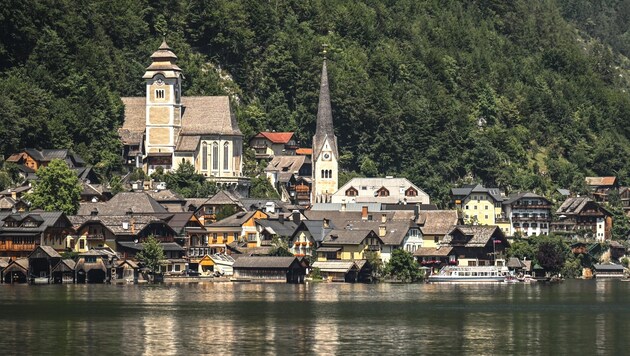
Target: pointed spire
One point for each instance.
(324, 126)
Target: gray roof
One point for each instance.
(479, 235)
(284, 229)
(572, 206)
(316, 229)
(608, 267)
(165, 195)
(334, 266)
(442, 251)
(514, 262)
(347, 237)
(121, 203)
(116, 223)
(188, 143)
(286, 166)
(234, 220)
(324, 126)
(223, 197)
(514, 197)
(466, 190)
(47, 219)
(274, 262)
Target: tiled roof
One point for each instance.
(188, 143)
(367, 189)
(479, 235)
(131, 137)
(234, 220)
(276, 137)
(466, 190)
(223, 197)
(281, 229)
(347, 237)
(165, 195)
(304, 151)
(600, 181)
(334, 266)
(288, 164)
(437, 222)
(121, 203)
(433, 252)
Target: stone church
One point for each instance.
(164, 129)
(325, 158)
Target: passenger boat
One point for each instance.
(480, 274)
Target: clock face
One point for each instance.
(327, 156)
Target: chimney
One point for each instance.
(383, 218)
(416, 212)
(296, 216)
(281, 218)
(326, 223)
(364, 213)
(381, 230)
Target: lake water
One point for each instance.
(583, 317)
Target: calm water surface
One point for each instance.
(580, 317)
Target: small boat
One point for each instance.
(526, 279)
(480, 274)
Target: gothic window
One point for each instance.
(204, 157)
(215, 156)
(411, 192)
(226, 157)
(382, 192)
(352, 192)
(160, 94)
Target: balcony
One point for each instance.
(532, 218)
(374, 247)
(95, 237)
(531, 206)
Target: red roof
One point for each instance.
(595, 181)
(276, 137)
(304, 151)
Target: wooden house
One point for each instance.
(608, 270)
(64, 272)
(338, 271)
(16, 271)
(270, 268)
(583, 216)
(21, 233)
(236, 227)
(4, 263)
(349, 245)
(41, 262)
(91, 268)
(126, 270)
(476, 245)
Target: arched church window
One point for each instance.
(226, 156)
(204, 157)
(215, 156)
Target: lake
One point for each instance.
(588, 317)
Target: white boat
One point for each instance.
(479, 274)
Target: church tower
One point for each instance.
(325, 155)
(163, 108)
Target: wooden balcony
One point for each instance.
(10, 246)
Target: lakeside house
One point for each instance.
(270, 268)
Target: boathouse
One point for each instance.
(270, 268)
(608, 270)
(90, 268)
(127, 271)
(41, 262)
(63, 272)
(338, 271)
(16, 271)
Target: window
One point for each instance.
(225, 235)
(160, 94)
(226, 156)
(411, 192)
(436, 239)
(251, 237)
(236, 236)
(215, 156)
(486, 207)
(204, 157)
(475, 207)
(351, 192)
(82, 244)
(382, 192)
(486, 217)
(177, 268)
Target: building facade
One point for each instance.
(529, 214)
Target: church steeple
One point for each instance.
(164, 62)
(325, 154)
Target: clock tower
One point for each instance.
(325, 155)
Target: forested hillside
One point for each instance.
(507, 93)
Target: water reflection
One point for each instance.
(232, 318)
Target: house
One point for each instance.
(91, 267)
(388, 190)
(163, 129)
(63, 272)
(608, 270)
(480, 205)
(16, 193)
(271, 144)
(8, 203)
(137, 203)
(338, 271)
(529, 214)
(270, 268)
(35, 159)
(470, 245)
(217, 207)
(581, 216)
(434, 224)
(236, 227)
(16, 271)
(515, 265)
(281, 227)
(349, 244)
(290, 176)
(600, 187)
(435, 257)
(41, 262)
(308, 236)
(172, 201)
(94, 192)
(21, 233)
(126, 270)
(129, 250)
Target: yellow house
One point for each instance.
(480, 205)
(349, 245)
(434, 224)
(237, 227)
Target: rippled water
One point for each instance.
(585, 317)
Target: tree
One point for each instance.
(403, 266)
(279, 247)
(551, 254)
(151, 255)
(57, 189)
(261, 188)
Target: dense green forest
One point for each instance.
(518, 94)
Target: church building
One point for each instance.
(164, 129)
(325, 154)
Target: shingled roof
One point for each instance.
(437, 222)
(121, 203)
(478, 235)
(273, 262)
(276, 137)
(347, 237)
